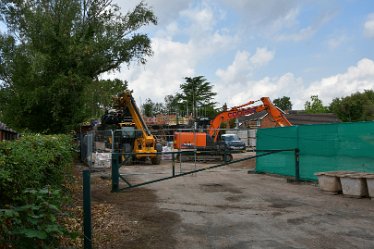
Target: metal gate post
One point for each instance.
(173, 162)
(297, 165)
(115, 172)
(87, 228)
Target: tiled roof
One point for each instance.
(298, 118)
(253, 117)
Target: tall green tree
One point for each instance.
(356, 107)
(98, 96)
(171, 104)
(196, 93)
(315, 105)
(151, 109)
(283, 103)
(148, 108)
(159, 108)
(54, 50)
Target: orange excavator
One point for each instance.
(208, 144)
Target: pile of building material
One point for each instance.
(102, 160)
(352, 184)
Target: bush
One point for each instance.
(33, 161)
(33, 171)
(35, 223)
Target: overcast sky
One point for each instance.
(250, 48)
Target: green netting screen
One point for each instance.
(325, 147)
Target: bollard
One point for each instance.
(87, 230)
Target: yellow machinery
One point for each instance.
(132, 138)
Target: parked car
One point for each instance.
(233, 142)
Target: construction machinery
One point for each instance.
(209, 146)
(132, 138)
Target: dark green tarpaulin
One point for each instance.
(325, 147)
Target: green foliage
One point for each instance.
(283, 103)
(356, 107)
(98, 96)
(315, 105)
(33, 171)
(151, 109)
(148, 107)
(55, 51)
(197, 93)
(171, 104)
(35, 223)
(33, 161)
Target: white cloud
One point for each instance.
(301, 35)
(357, 78)
(165, 10)
(237, 86)
(273, 87)
(163, 73)
(237, 72)
(201, 18)
(336, 40)
(197, 26)
(369, 26)
(244, 65)
(306, 32)
(173, 60)
(274, 14)
(262, 57)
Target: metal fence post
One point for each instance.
(173, 162)
(115, 172)
(90, 143)
(87, 209)
(297, 165)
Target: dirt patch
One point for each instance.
(234, 198)
(282, 203)
(135, 221)
(215, 187)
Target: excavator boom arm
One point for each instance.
(244, 110)
(126, 99)
(274, 111)
(225, 116)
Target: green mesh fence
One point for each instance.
(325, 147)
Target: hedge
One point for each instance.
(33, 170)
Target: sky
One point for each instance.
(248, 49)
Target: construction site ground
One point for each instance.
(227, 208)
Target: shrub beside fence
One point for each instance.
(33, 171)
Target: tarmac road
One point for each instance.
(229, 208)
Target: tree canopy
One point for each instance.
(283, 103)
(55, 50)
(98, 96)
(356, 107)
(315, 105)
(197, 94)
(151, 109)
